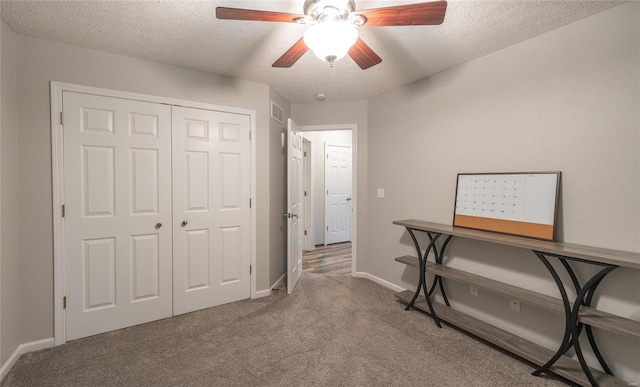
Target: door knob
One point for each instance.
(184, 223)
(158, 225)
(348, 199)
(290, 215)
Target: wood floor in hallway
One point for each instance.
(330, 259)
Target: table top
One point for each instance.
(587, 253)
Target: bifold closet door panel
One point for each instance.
(211, 213)
(117, 227)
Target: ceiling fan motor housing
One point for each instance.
(321, 10)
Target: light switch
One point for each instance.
(380, 193)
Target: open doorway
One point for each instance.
(337, 185)
(330, 259)
(330, 204)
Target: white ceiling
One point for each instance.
(186, 33)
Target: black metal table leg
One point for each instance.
(422, 260)
(422, 283)
(573, 327)
(566, 339)
(592, 340)
(587, 302)
(420, 270)
(588, 288)
(438, 279)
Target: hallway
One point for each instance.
(331, 259)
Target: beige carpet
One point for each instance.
(333, 331)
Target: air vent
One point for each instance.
(277, 113)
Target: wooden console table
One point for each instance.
(578, 313)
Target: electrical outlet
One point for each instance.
(473, 290)
(514, 305)
(380, 193)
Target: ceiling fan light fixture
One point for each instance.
(331, 40)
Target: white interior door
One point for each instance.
(117, 226)
(211, 193)
(295, 210)
(337, 178)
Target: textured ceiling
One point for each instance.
(186, 33)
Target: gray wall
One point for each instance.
(40, 61)
(566, 100)
(335, 113)
(277, 189)
(10, 259)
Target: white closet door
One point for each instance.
(117, 228)
(211, 191)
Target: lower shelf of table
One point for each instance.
(590, 316)
(565, 367)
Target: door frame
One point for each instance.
(354, 181)
(309, 244)
(57, 152)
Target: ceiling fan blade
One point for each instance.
(292, 55)
(363, 55)
(254, 15)
(431, 13)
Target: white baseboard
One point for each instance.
(21, 350)
(380, 281)
(267, 292)
(262, 293)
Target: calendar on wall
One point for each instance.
(521, 203)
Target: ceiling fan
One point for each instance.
(332, 33)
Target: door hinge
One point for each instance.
(250, 269)
(305, 232)
(327, 228)
(64, 210)
(249, 202)
(327, 192)
(64, 302)
(305, 154)
(305, 193)
(249, 135)
(61, 118)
